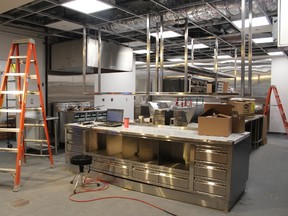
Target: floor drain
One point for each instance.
(17, 203)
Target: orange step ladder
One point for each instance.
(24, 82)
(279, 104)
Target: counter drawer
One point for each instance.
(99, 166)
(174, 181)
(211, 156)
(74, 148)
(145, 174)
(210, 187)
(210, 172)
(119, 169)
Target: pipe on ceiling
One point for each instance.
(197, 13)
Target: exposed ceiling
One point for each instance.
(125, 23)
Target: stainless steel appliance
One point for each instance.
(77, 111)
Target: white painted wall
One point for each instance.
(117, 82)
(279, 78)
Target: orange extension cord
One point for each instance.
(105, 186)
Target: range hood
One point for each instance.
(66, 57)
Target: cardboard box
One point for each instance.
(209, 88)
(212, 123)
(223, 87)
(243, 108)
(238, 122)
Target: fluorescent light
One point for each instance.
(139, 62)
(144, 51)
(175, 60)
(87, 6)
(263, 40)
(197, 46)
(223, 56)
(168, 34)
(258, 21)
(277, 53)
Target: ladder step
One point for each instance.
(12, 150)
(33, 77)
(24, 41)
(18, 57)
(33, 92)
(35, 155)
(7, 170)
(35, 140)
(11, 130)
(34, 108)
(12, 92)
(15, 74)
(33, 125)
(11, 110)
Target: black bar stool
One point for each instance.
(81, 161)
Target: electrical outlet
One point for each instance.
(31, 101)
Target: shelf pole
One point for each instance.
(161, 55)
(84, 58)
(250, 51)
(235, 68)
(186, 57)
(243, 15)
(148, 57)
(216, 64)
(99, 59)
(157, 58)
(192, 51)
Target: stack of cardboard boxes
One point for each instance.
(224, 119)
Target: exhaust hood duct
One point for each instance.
(197, 13)
(67, 57)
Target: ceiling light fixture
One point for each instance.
(144, 51)
(87, 6)
(257, 21)
(167, 34)
(263, 40)
(223, 56)
(175, 60)
(276, 53)
(198, 46)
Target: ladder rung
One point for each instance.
(34, 77)
(36, 155)
(24, 41)
(7, 170)
(15, 74)
(33, 125)
(33, 92)
(34, 108)
(14, 130)
(12, 92)
(35, 140)
(11, 110)
(18, 57)
(12, 150)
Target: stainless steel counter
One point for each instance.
(171, 162)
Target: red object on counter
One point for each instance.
(126, 122)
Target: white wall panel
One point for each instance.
(279, 78)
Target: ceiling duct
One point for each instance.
(197, 14)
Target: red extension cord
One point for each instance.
(104, 186)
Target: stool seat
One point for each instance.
(81, 160)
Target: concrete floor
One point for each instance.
(47, 190)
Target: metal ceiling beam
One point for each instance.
(228, 20)
(190, 20)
